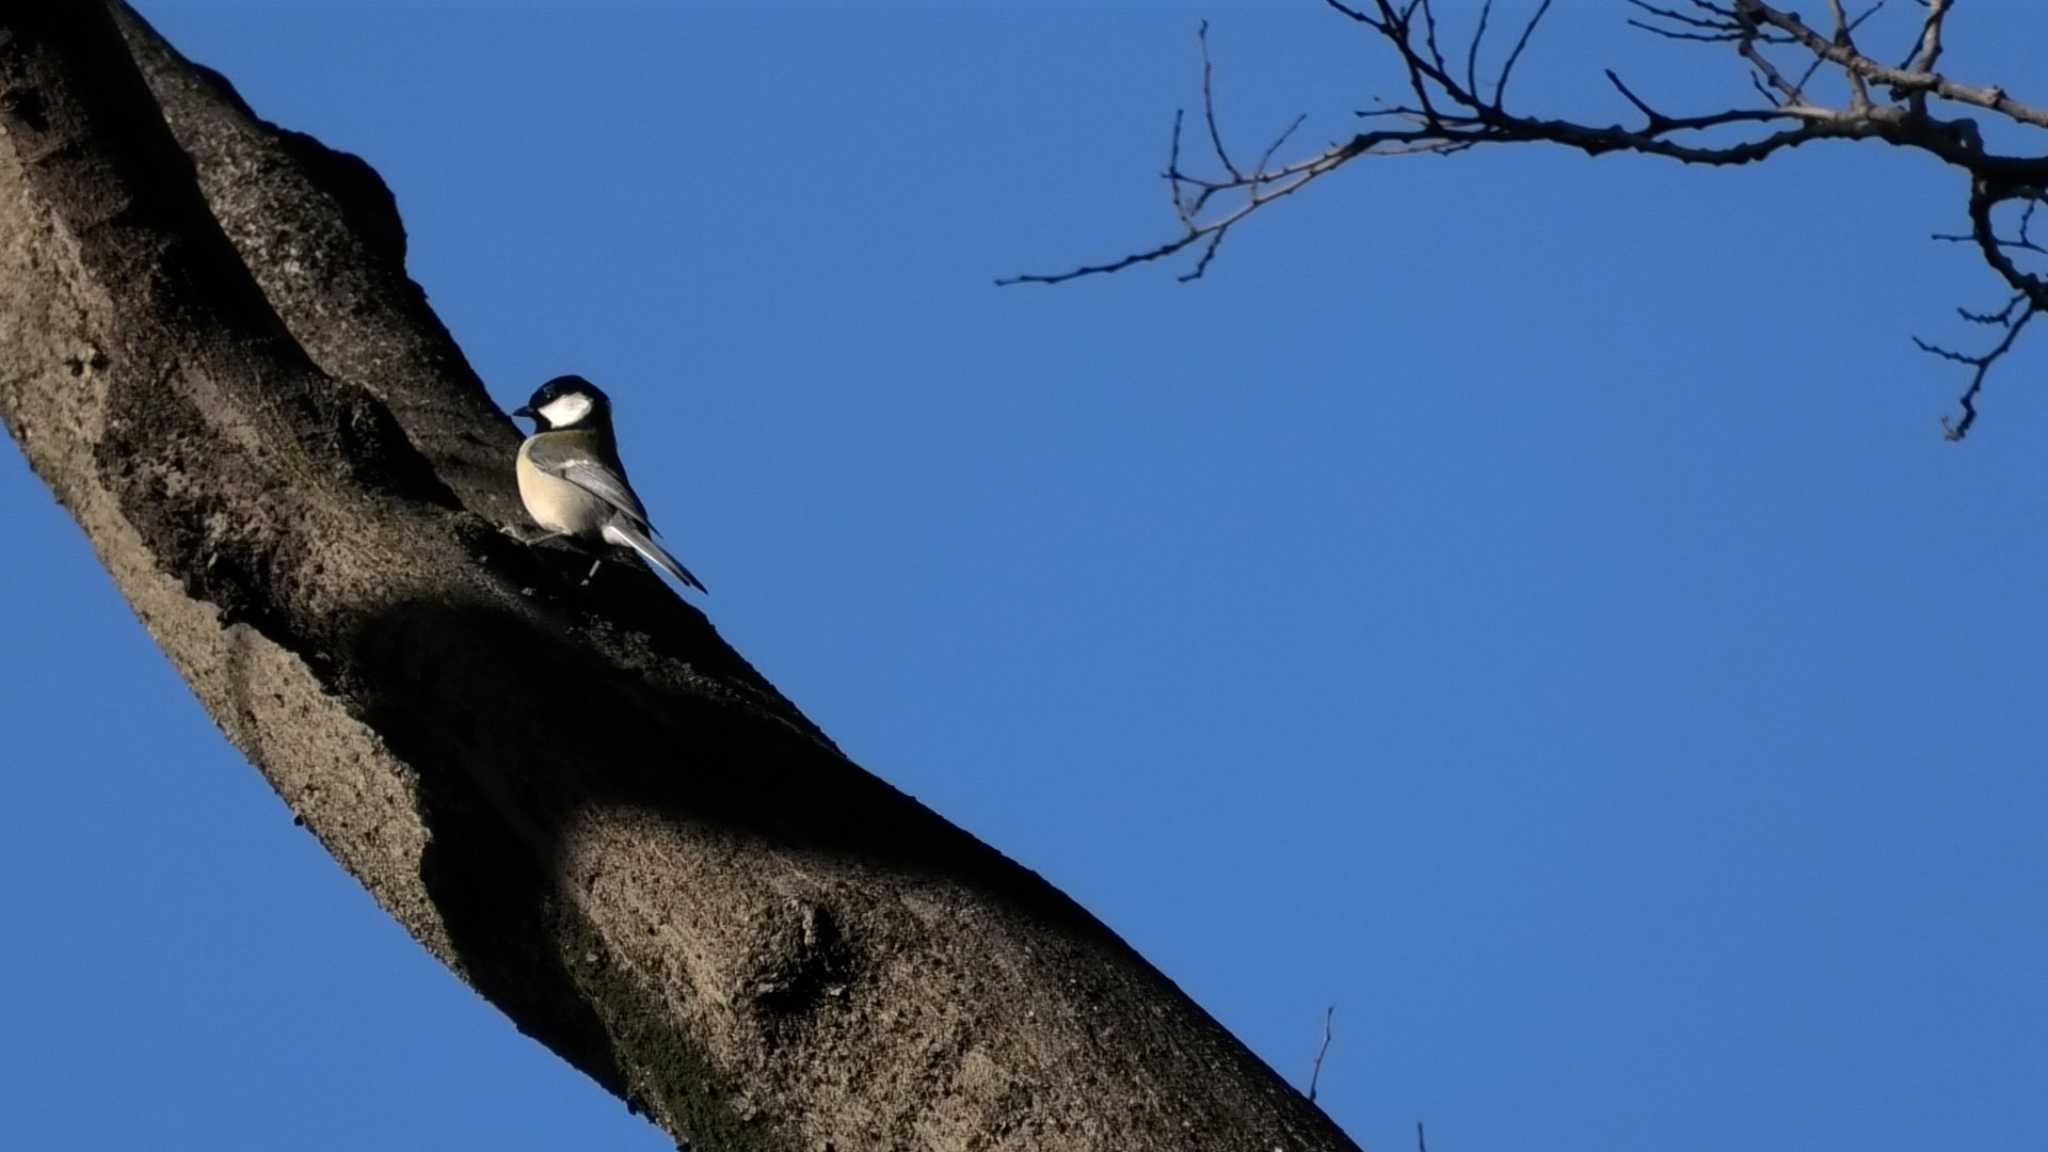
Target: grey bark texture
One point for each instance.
(211, 352)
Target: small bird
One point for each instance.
(571, 480)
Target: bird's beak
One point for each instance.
(525, 410)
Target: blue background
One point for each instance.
(1524, 600)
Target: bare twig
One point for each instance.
(1472, 51)
(2011, 318)
(1209, 105)
(1266, 157)
(1814, 65)
(1927, 49)
(1315, 1074)
(1500, 86)
(1845, 37)
(1650, 114)
(1180, 206)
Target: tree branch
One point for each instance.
(1446, 113)
(1315, 1074)
(296, 480)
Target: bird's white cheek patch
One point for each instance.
(567, 410)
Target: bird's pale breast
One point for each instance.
(555, 504)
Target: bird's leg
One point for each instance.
(594, 566)
(519, 532)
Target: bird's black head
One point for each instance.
(566, 402)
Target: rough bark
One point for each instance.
(210, 351)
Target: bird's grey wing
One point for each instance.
(575, 464)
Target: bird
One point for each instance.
(571, 479)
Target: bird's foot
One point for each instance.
(528, 536)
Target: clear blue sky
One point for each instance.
(1524, 600)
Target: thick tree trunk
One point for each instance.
(210, 351)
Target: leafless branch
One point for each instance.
(1286, 134)
(1209, 105)
(1472, 50)
(1445, 110)
(1721, 25)
(1316, 1074)
(2010, 319)
(1927, 49)
(1815, 64)
(1500, 87)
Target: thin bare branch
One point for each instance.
(1720, 20)
(1927, 49)
(1845, 38)
(1169, 248)
(1316, 1074)
(1173, 180)
(1650, 114)
(1984, 200)
(1436, 53)
(1355, 14)
(1980, 366)
(1216, 236)
(1500, 86)
(1784, 90)
(2029, 296)
(2002, 318)
(1721, 25)
(1209, 106)
(1814, 66)
(1279, 141)
(1472, 50)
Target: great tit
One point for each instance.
(571, 480)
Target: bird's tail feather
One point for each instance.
(619, 531)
